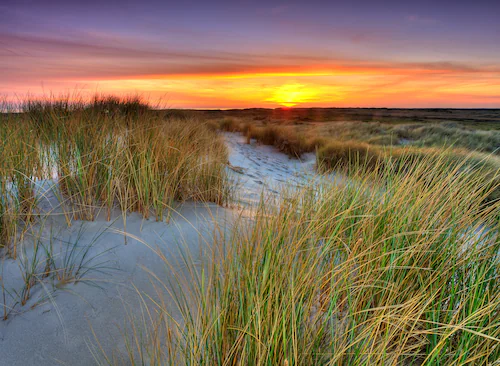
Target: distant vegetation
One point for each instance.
(482, 119)
(481, 135)
(371, 144)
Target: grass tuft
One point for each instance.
(392, 267)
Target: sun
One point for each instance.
(289, 95)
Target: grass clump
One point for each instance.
(106, 153)
(339, 155)
(229, 125)
(83, 158)
(393, 267)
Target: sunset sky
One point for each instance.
(242, 53)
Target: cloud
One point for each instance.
(89, 57)
(194, 76)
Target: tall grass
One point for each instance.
(394, 267)
(19, 168)
(106, 153)
(95, 156)
(355, 155)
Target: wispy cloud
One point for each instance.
(38, 57)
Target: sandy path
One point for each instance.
(261, 168)
(41, 333)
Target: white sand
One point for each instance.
(51, 334)
(263, 167)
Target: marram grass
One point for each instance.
(93, 157)
(397, 266)
(393, 267)
(103, 154)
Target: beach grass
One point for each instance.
(100, 154)
(338, 145)
(395, 266)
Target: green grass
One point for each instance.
(340, 145)
(395, 267)
(398, 265)
(107, 152)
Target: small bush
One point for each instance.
(336, 154)
(229, 125)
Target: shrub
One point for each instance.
(229, 125)
(336, 154)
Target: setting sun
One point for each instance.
(290, 95)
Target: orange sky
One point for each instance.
(397, 87)
(304, 87)
(393, 85)
(239, 54)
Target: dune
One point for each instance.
(69, 323)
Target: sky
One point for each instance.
(260, 53)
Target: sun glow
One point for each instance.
(270, 91)
(290, 95)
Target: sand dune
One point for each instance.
(56, 324)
